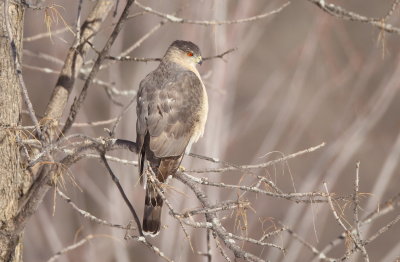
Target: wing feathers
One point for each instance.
(169, 111)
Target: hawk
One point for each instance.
(171, 112)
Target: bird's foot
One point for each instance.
(181, 169)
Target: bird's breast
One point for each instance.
(203, 112)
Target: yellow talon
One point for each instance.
(181, 169)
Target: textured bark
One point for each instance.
(30, 201)
(11, 175)
(73, 63)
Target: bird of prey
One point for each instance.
(171, 112)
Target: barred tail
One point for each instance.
(152, 211)
(166, 167)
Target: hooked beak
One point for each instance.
(200, 60)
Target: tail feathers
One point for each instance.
(152, 212)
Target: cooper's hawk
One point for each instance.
(171, 114)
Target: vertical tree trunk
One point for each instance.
(11, 175)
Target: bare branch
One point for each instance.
(74, 62)
(342, 13)
(44, 56)
(221, 56)
(249, 167)
(383, 230)
(96, 123)
(121, 190)
(313, 249)
(126, 108)
(381, 210)
(174, 19)
(216, 224)
(208, 253)
(257, 242)
(356, 218)
(46, 34)
(372, 238)
(356, 242)
(133, 59)
(226, 205)
(308, 197)
(137, 43)
(69, 248)
(82, 96)
(391, 11)
(137, 59)
(153, 248)
(87, 215)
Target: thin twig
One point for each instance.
(340, 222)
(316, 197)
(383, 209)
(174, 19)
(133, 59)
(82, 96)
(137, 59)
(312, 248)
(95, 123)
(257, 242)
(382, 230)
(226, 205)
(153, 248)
(122, 192)
(356, 199)
(208, 244)
(43, 56)
(87, 215)
(221, 56)
(221, 250)
(249, 167)
(73, 65)
(391, 11)
(46, 34)
(69, 248)
(216, 224)
(138, 43)
(342, 13)
(127, 107)
(356, 218)
(372, 238)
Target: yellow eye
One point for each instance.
(189, 53)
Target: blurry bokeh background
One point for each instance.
(298, 78)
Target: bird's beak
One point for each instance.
(199, 60)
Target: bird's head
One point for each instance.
(186, 52)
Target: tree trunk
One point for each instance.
(11, 175)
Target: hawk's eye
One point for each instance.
(189, 53)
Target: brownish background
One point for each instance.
(298, 78)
